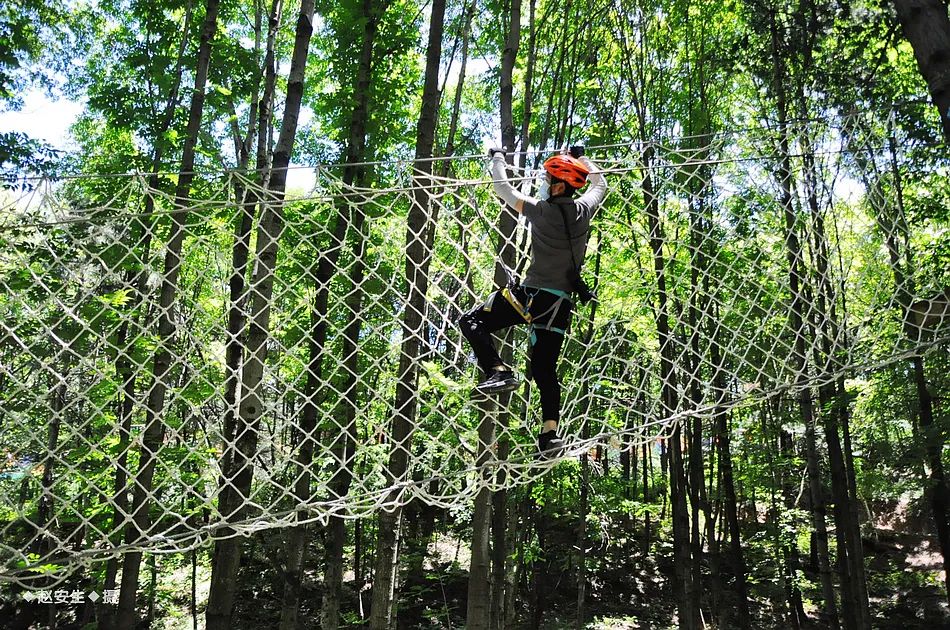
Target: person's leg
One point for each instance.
(551, 321)
(477, 326)
(544, 355)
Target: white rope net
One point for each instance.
(83, 262)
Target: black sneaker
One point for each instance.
(550, 444)
(499, 382)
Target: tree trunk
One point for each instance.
(480, 576)
(683, 586)
(528, 99)
(232, 503)
(423, 515)
(647, 448)
(698, 502)
(927, 28)
(45, 509)
(854, 595)
(732, 519)
(514, 569)
(154, 433)
(509, 55)
(344, 445)
(124, 366)
(417, 280)
(806, 407)
(152, 590)
(237, 295)
(457, 102)
(857, 546)
(420, 526)
(583, 508)
(478, 614)
(125, 371)
(799, 330)
(849, 602)
(582, 511)
(727, 486)
(540, 584)
(194, 589)
(500, 543)
(789, 551)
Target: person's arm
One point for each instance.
(508, 193)
(594, 196)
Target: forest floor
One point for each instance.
(905, 583)
(627, 592)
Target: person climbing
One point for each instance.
(560, 225)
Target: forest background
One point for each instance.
(236, 349)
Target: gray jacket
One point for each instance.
(551, 263)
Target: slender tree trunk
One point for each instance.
(125, 408)
(152, 590)
(787, 552)
(420, 528)
(232, 503)
(688, 616)
(583, 508)
(806, 407)
(727, 484)
(627, 464)
(698, 183)
(478, 616)
(541, 564)
(799, 330)
(698, 266)
(857, 546)
(344, 446)
(508, 57)
(416, 272)
(45, 506)
(457, 102)
(423, 516)
(582, 511)
(124, 365)
(849, 602)
(647, 456)
(194, 588)
(500, 543)
(732, 519)
(154, 424)
(528, 99)
(123, 362)
(499, 536)
(515, 566)
(237, 298)
(850, 553)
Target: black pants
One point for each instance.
(549, 317)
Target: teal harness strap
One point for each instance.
(534, 334)
(553, 310)
(557, 292)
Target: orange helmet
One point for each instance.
(567, 169)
